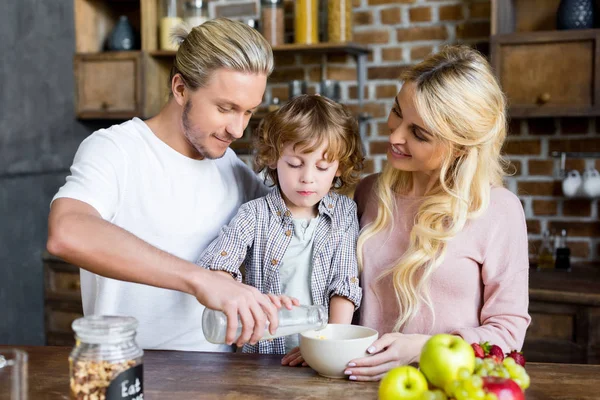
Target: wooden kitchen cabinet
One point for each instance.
(565, 311)
(115, 84)
(544, 72)
(109, 85)
(62, 300)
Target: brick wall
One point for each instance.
(402, 32)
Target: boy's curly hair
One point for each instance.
(307, 121)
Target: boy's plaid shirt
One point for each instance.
(258, 237)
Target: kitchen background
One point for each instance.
(40, 132)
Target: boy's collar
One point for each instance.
(279, 209)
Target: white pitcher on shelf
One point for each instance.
(571, 184)
(591, 183)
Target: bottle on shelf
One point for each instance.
(273, 21)
(169, 21)
(298, 319)
(339, 21)
(563, 252)
(195, 12)
(546, 253)
(306, 22)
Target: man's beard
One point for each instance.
(188, 134)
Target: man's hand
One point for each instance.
(224, 274)
(283, 301)
(235, 299)
(294, 358)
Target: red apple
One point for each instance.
(504, 389)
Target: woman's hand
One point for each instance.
(389, 351)
(283, 301)
(294, 358)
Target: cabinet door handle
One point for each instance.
(104, 105)
(544, 98)
(75, 285)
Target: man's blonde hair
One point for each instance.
(219, 43)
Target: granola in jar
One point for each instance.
(106, 363)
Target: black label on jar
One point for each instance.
(127, 385)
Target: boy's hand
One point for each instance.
(294, 358)
(283, 301)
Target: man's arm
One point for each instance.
(78, 234)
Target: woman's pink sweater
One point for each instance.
(480, 291)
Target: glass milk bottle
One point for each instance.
(169, 21)
(106, 362)
(298, 319)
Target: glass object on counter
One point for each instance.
(546, 253)
(339, 21)
(106, 360)
(195, 12)
(272, 21)
(298, 319)
(563, 252)
(169, 21)
(306, 22)
(13, 374)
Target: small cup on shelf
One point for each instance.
(590, 185)
(571, 184)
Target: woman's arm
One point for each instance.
(505, 276)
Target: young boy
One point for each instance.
(300, 239)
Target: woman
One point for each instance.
(443, 246)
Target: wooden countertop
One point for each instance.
(579, 286)
(170, 375)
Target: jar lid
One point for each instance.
(104, 328)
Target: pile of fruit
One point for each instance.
(450, 368)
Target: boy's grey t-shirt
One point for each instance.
(296, 268)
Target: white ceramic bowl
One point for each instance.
(329, 350)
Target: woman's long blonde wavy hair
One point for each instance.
(462, 105)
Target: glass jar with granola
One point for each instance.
(106, 362)
(272, 21)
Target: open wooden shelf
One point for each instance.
(137, 82)
(546, 36)
(319, 48)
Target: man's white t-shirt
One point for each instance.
(177, 204)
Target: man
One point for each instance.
(145, 198)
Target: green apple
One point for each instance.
(403, 383)
(443, 356)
